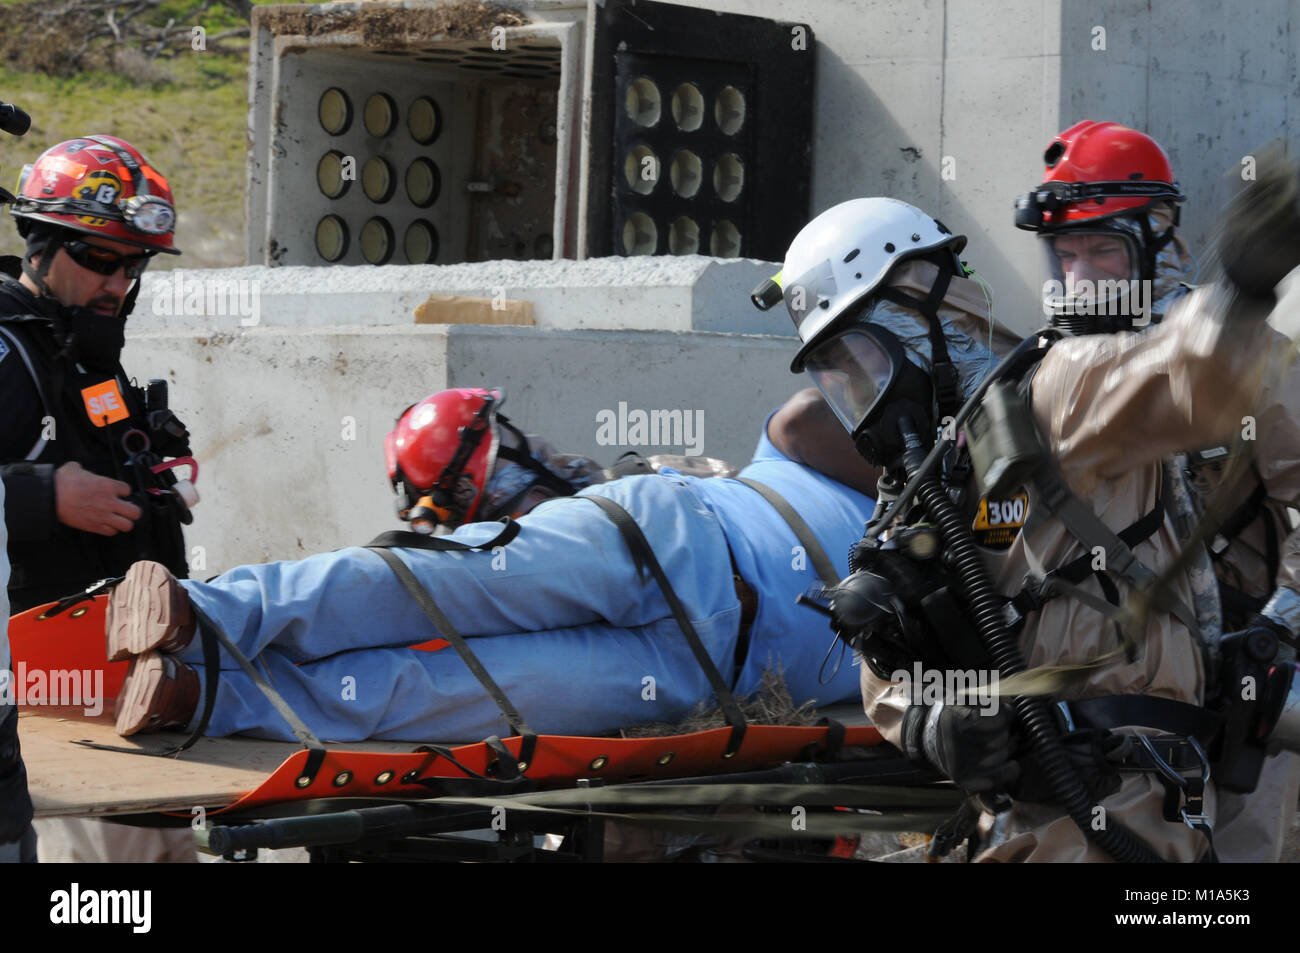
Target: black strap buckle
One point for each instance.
(86, 595)
(1184, 795)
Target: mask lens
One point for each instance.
(1095, 256)
(851, 370)
(1089, 272)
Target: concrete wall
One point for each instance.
(902, 85)
(948, 104)
(683, 293)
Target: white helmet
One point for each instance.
(839, 258)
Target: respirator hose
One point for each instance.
(986, 609)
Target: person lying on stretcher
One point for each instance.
(558, 610)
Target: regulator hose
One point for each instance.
(986, 609)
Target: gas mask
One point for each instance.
(868, 380)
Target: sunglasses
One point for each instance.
(104, 262)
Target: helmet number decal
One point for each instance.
(102, 188)
(999, 520)
(104, 404)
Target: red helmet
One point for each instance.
(1096, 171)
(444, 447)
(98, 185)
(1106, 210)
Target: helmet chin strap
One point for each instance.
(522, 456)
(47, 248)
(37, 274)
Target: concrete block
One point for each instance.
(289, 422)
(687, 293)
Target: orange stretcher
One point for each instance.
(246, 779)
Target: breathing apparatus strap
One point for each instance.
(1085, 526)
(1034, 597)
(644, 558)
(1252, 509)
(947, 384)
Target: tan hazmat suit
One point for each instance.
(1111, 407)
(1251, 827)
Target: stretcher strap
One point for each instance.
(211, 636)
(825, 569)
(508, 764)
(643, 557)
(298, 726)
(405, 539)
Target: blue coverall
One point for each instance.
(558, 616)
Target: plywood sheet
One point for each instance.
(67, 779)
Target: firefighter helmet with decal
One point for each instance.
(98, 185)
(444, 448)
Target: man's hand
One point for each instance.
(970, 746)
(90, 502)
(1258, 236)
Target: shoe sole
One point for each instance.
(140, 694)
(146, 611)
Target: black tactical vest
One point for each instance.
(70, 560)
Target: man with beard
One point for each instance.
(80, 446)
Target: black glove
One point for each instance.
(1258, 237)
(876, 609)
(974, 748)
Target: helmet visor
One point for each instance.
(852, 370)
(1089, 270)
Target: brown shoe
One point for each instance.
(160, 692)
(148, 610)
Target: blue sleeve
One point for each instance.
(766, 450)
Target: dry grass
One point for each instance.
(191, 125)
(770, 705)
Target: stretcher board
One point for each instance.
(220, 774)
